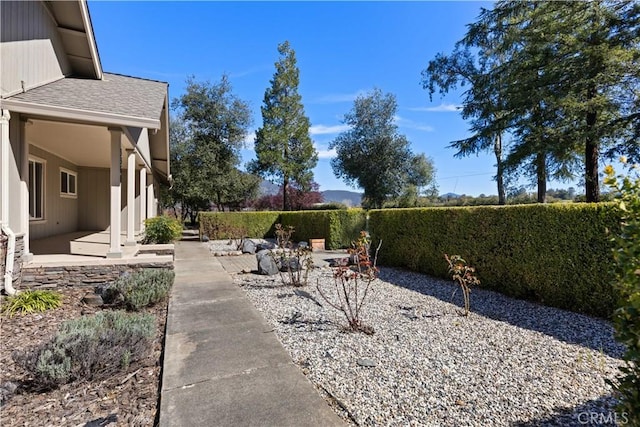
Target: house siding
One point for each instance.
(93, 199)
(30, 50)
(60, 213)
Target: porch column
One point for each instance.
(24, 190)
(4, 167)
(150, 198)
(143, 197)
(131, 198)
(114, 242)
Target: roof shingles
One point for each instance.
(115, 94)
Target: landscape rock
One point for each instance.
(369, 363)
(94, 300)
(248, 247)
(266, 264)
(289, 264)
(266, 246)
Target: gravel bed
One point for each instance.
(509, 362)
(228, 247)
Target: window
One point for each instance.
(68, 183)
(36, 189)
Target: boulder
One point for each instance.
(266, 246)
(248, 247)
(94, 300)
(266, 264)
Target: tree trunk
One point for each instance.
(497, 149)
(592, 185)
(285, 191)
(541, 174)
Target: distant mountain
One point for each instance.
(268, 188)
(449, 196)
(349, 198)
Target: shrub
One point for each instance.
(90, 347)
(351, 284)
(217, 225)
(296, 261)
(465, 275)
(144, 288)
(162, 229)
(627, 281)
(558, 255)
(32, 301)
(338, 227)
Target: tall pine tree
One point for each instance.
(285, 153)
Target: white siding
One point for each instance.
(60, 213)
(30, 47)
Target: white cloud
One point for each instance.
(325, 130)
(249, 140)
(323, 151)
(401, 121)
(326, 154)
(442, 108)
(334, 98)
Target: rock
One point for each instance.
(248, 247)
(369, 363)
(266, 264)
(205, 238)
(303, 245)
(7, 389)
(94, 300)
(265, 246)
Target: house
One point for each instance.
(82, 150)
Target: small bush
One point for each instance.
(626, 318)
(162, 229)
(351, 284)
(294, 262)
(464, 275)
(91, 347)
(144, 288)
(32, 301)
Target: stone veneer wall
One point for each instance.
(84, 275)
(17, 257)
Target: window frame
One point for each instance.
(32, 190)
(67, 194)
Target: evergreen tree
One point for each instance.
(284, 150)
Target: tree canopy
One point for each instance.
(565, 78)
(284, 151)
(207, 130)
(374, 156)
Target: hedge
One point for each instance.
(337, 227)
(558, 255)
(223, 225)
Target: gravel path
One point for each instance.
(509, 363)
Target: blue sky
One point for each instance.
(343, 49)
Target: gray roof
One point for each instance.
(115, 94)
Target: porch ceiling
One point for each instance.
(80, 144)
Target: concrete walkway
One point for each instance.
(223, 365)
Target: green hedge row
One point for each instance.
(558, 255)
(337, 227)
(221, 225)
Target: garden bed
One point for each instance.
(127, 399)
(510, 362)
